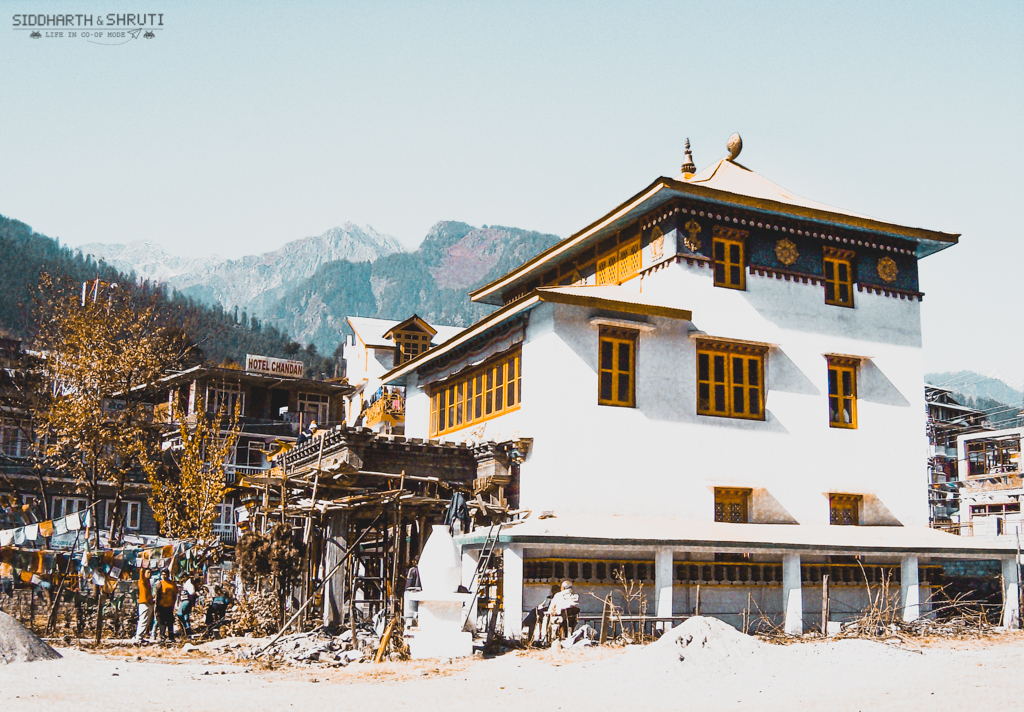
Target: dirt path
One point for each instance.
(843, 675)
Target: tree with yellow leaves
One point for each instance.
(185, 500)
(102, 350)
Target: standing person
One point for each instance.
(166, 595)
(146, 605)
(188, 601)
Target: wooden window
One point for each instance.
(731, 505)
(844, 509)
(619, 264)
(481, 394)
(617, 367)
(842, 392)
(729, 247)
(409, 345)
(730, 379)
(838, 277)
(607, 268)
(629, 260)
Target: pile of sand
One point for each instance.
(705, 641)
(20, 645)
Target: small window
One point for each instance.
(844, 509)
(731, 505)
(730, 379)
(622, 263)
(729, 248)
(131, 514)
(617, 367)
(842, 393)
(838, 277)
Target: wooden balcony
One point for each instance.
(387, 409)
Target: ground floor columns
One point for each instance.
(1011, 593)
(793, 594)
(512, 590)
(663, 564)
(910, 589)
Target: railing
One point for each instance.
(722, 573)
(233, 472)
(389, 407)
(227, 533)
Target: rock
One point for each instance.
(20, 645)
(353, 655)
(189, 648)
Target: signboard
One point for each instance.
(274, 366)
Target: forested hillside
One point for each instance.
(433, 281)
(221, 336)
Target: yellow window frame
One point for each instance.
(730, 380)
(838, 270)
(486, 392)
(729, 258)
(732, 505)
(616, 367)
(842, 393)
(844, 509)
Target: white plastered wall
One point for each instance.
(662, 459)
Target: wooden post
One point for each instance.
(99, 614)
(824, 606)
(746, 615)
(606, 611)
(696, 603)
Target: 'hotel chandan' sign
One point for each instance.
(274, 366)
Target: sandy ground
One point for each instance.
(841, 675)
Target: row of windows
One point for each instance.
(730, 378)
(731, 506)
(481, 394)
(730, 266)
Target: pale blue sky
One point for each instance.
(245, 125)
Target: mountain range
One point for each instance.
(1000, 401)
(308, 287)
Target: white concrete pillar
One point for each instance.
(793, 594)
(663, 576)
(470, 557)
(1011, 608)
(910, 589)
(512, 590)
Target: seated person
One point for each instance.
(564, 611)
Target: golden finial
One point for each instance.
(734, 146)
(688, 168)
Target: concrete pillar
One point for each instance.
(910, 589)
(793, 594)
(512, 590)
(1011, 608)
(663, 575)
(470, 557)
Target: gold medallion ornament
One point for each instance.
(657, 243)
(887, 269)
(692, 242)
(786, 251)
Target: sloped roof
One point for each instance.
(371, 331)
(725, 183)
(732, 177)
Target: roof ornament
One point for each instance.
(734, 146)
(688, 168)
